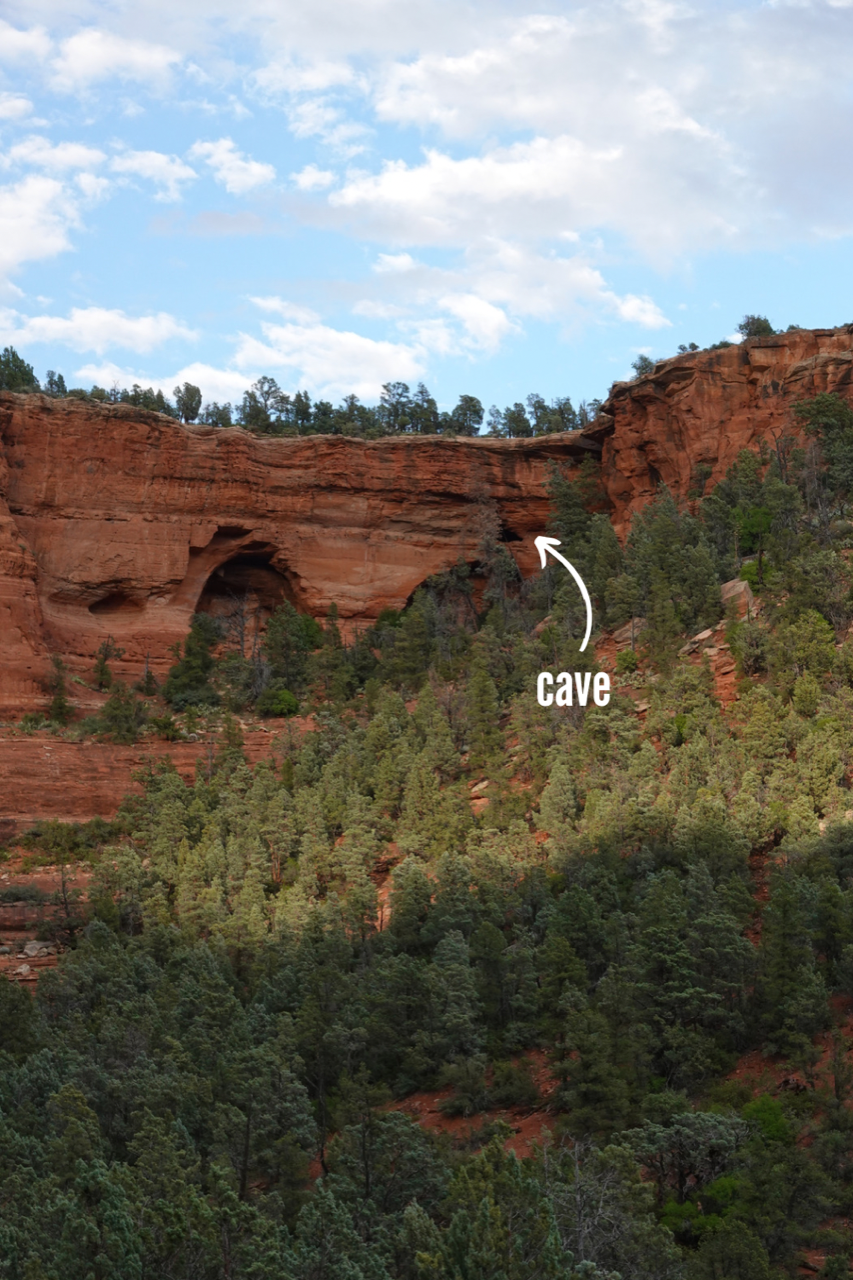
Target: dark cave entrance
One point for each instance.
(243, 593)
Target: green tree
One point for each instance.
(731, 1252)
(101, 673)
(123, 715)
(289, 638)
(187, 401)
(481, 705)
(756, 327)
(188, 682)
(59, 710)
(643, 366)
(466, 417)
(15, 373)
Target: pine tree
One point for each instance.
(481, 705)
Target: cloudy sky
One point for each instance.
(493, 197)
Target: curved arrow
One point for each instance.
(543, 546)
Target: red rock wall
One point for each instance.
(706, 406)
(44, 777)
(112, 521)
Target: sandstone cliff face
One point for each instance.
(114, 521)
(46, 777)
(706, 406)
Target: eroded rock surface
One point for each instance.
(115, 521)
(686, 422)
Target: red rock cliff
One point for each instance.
(114, 521)
(706, 406)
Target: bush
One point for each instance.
(166, 727)
(277, 701)
(626, 662)
(32, 720)
(69, 840)
(468, 1080)
(123, 715)
(513, 1085)
(756, 327)
(748, 642)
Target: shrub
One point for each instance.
(166, 727)
(277, 701)
(626, 662)
(123, 715)
(32, 720)
(513, 1085)
(468, 1080)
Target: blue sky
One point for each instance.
(494, 198)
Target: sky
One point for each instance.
(494, 198)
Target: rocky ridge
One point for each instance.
(683, 424)
(118, 522)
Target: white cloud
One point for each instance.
(545, 72)
(303, 77)
(639, 311)
(434, 335)
(17, 45)
(94, 55)
(92, 186)
(14, 106)
(216, 384)
(222, 385)
(541, 188)
(500, 284)
(289, 310)
(94, 329)
(394, 262)
(329, 361)
(166, 172)
(317, 118)
(42, 154)
(485, 325)
(313, 179)
(373, 310)
(36, 215)
(235, 171)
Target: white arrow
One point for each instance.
(543, 546)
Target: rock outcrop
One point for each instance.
(689, 419)
(119, 522)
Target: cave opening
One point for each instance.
(246, 589)
(115, 602)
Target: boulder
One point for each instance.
(739, 593)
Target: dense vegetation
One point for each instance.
(207, 1086)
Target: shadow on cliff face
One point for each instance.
(247, 584)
